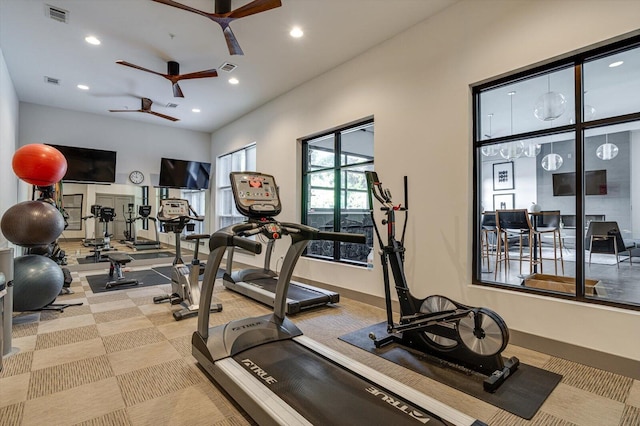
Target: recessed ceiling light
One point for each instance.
(92, 40)
(82, 87)
(296, 32)
(234, 80)
(195, 110)
(616, 64)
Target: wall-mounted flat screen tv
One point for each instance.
(184, 174)
(88, 165)
(564, 184)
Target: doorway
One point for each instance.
(120, 204)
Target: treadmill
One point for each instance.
(276, 374)
(144, 212)
(260, 283)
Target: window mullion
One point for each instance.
(337, 192)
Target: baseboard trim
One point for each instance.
(593, 358)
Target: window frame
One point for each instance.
(576, 61)
(339, 170)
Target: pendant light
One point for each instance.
(551, 105)
(512, 150)
(531, 149)
(607, 151)
(552, 162)
(489, 150)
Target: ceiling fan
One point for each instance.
(224, 16)
(146, 107)
(173, 74)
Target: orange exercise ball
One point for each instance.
(39, 164)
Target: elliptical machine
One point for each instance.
(463, 336)
(176, 215)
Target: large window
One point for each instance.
(335, 190)
(238, 161)
(557, 200)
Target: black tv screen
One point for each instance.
(88, 165)
(564, 184)
(184, 174)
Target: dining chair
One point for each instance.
(605, 237)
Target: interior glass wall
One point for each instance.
(557, 196)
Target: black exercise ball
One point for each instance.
(37, 281)
(32, 223)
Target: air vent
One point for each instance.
(171, 105)
(57, 14)
(52, 80)
(227, 67)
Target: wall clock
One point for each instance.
(136, 177)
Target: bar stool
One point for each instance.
(488, 236)
(514, 224)
(548, 223)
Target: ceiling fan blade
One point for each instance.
(183, 7)
(166, 117)
(177, 93)
(232, 43)
(254, 7)
(125, 110)
(199, 74)
(129, 64)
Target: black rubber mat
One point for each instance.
(146, 278)
(521, 394)
(326, 394)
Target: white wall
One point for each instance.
(417, 88)
(8, 142)
(139, 145)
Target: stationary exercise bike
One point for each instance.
(176, 215)
(461, 336)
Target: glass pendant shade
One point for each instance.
(489, 150)
(531, 149)
(550, 106)
(552, 162)
(607, 151)
(512, 150)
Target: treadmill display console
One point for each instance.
(255, 194)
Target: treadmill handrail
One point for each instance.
(228, 237)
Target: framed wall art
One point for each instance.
(503, 176)
(504, 201)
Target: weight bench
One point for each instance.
(118, 260)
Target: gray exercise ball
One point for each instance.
(32, 223)
(37, 281)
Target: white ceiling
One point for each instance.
(149, 34)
